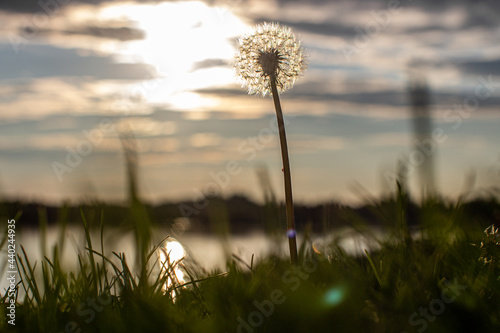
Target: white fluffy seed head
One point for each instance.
(270, 52)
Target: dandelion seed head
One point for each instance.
(489, 246)
(271, 52)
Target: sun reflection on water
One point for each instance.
(171, 254)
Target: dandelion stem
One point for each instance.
(290, 219)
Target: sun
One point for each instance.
(180, 39)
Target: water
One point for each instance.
(206, 250)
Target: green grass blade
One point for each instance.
(377, 276)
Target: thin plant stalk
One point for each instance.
(269, 61)
(290, 217)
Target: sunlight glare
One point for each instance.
(175, 251)
(170, 256)
(179, 37)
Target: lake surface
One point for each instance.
(206, 250)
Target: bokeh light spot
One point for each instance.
(334, 296)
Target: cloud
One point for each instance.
(21, 6)
(38, 61)
(326, 28)
(41, 6)
(64, 82)
(118, 33)
(30, 99)
(338, 18)
(389, 139)
(486, 67)
(147, 127)
(209, 63)
(48, 6)
(223, 92)
(311, 143)
(204, 139)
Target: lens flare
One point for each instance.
(334, 296)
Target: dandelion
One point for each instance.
(489, 246)
(269, 61)
(271, 53)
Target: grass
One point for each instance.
(433, 281)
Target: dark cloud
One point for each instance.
(390, 97)
(40, 6)
(393, 98)
(482, 14)
(51, 6)
(46, 61)
(491, 67)
(324, 28)
(222, 92)
(479, 13)
(430, 5)
(427, 28)
(208, 63)
(118, 33)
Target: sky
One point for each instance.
(75, 75)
